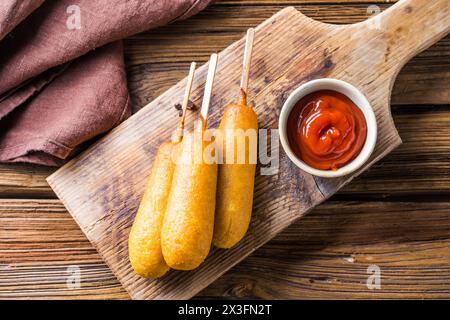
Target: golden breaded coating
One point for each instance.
(236, 179)
(144, 243)
(189, 220)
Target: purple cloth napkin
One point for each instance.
(56, 91)
(12, 12)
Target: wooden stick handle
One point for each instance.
(184, 104)
(411, 26)
(208, 89)
(247, 59)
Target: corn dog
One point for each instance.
(144, 242)
(189, 220)
(236, 180)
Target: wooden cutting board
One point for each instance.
(102, 187)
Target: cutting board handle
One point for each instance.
(411, 26)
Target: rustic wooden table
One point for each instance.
(396, 216)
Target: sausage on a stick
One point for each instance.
(189, 220)
(238, 132)
(144, 243)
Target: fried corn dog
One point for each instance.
(144, 242)
(189, 220)
(236, 179)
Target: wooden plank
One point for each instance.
(225, 20)
(39, 241)
(25, 181)
(102, 187)
(421, 165)
(324, 255)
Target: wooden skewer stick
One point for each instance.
(184, 104)
(208, 89)
(247, 59)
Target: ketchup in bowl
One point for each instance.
(326, 130)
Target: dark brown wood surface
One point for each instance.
(394, 216)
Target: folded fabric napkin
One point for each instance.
(56, 91)
(12, 12)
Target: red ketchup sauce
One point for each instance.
(326, 130)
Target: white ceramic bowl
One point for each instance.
(358, 99)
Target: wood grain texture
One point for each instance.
(424, 80)
(417, 167)
(324, 255)
(312, 260)
(420, 166)
(24, 180)
(159, 58)
(39, 240)
(418, 171)
(102, 187)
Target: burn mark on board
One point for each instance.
(258, 70)
(322, 69)
(267, 80)
(303, 42)
(119, 202)
(398, 33)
